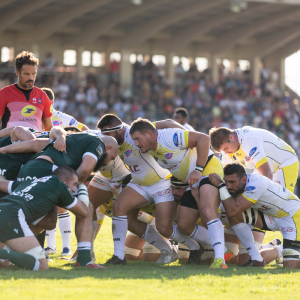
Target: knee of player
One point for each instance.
(43, 264)
(164, 230)
(185, 227)
(119, 209)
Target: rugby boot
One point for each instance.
(166, 257)
(115, 260)
(195, 256)
(50, 251)
(218, 264)
(254, 263)
(91, 265)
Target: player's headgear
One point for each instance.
(178, 183)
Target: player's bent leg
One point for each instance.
(25, 252)
(133, 247)
(98, 196)
(291, 258)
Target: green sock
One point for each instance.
(84, 253)
(22, 260)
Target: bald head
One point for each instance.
(111, 144)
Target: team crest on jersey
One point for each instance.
(168, 155)
(39, 100)
(128, 152)
(175, 139)
(43, 179)
(72, 122)
(249, 188)
(56, 123)
(252, 151)
(28, 111)
(99, 151)
(247, 158)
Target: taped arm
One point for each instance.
(236, 206)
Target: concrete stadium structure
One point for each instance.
(254, 30)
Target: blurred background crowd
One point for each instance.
(233, 102)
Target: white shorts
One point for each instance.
(289, 226)
(107, 184)
(158, 192)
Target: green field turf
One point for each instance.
(144, 280)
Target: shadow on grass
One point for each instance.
(140, 270)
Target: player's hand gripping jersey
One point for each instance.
(172, 152)
(269, 197)
(63, 120)
(144, 169)
(261, 146)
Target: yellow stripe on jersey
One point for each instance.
(281, 213)
(80, 125)
(100, 222)
(290, 174)
(186, 138)
(213, 166)
(296, 218)
(107, 174)
(249, 199)
(261, 162)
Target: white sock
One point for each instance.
(201, 235)
(65, 227)
(51, 238)
(119, 230)
(95, 226)
(266, 246)
(153, 237)
(216, 235)
(184, 239)
(84, 246)
(279, 248)
(244, 234)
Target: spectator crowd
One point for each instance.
(233, 102)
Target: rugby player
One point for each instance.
(149, 183)
(187, 155)
(256, 200)
(181, 116)
(270, 155)
(32, 200)
(65, 224)
(22, 103)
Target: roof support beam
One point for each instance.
(137, 35)
(95, 29)
(53, 23)
(17, 13)
(235, 36)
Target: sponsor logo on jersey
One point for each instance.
(175, 139)
(164, 193)
(247, 158)
(156, 158)
(72, 122)
(39, 100)
(42, 179)
(220, 156)
(252, 151)
(249, 188)
(99, 151)
(234, 157)
(33, 100)
(51, 108)
(286, 229)
(28, 111)
(128, 152)
(56, 123)
(168, 155)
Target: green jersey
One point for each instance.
(78, 145)
(36, 198)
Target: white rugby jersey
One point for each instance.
(261, 146)
(63, 120)
(172, 152)
(231, 157)
(269, 197)
(188, 127)
(115, 170)
(143, 167)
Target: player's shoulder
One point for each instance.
(8, 89)
(255, 181)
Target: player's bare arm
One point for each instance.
(36, 145)
(4, 186)
(232, 206)
(265, 170)
(202, 143)
(59, 135)
(47, 123)
(168, 123)
(86, 168)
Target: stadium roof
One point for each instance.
(185, 27)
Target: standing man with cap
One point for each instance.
(23, 104)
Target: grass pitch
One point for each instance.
(147, 281)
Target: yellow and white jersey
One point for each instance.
(63, 120)
(143, 167)
(115, 169)
(261, 146)
(232, 157)
(172, 152)
(269, 197)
